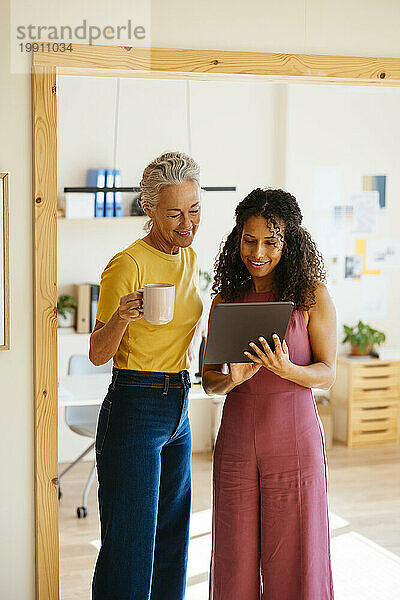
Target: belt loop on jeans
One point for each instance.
(166, 384)
(114, 379)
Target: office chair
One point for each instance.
(83, 421)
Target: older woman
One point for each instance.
(270, 511)
(143, 439)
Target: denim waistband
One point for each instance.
(159, 379)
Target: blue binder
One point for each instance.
(96, 178)
(109, 206)
(118, 202)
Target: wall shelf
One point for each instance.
(127, 219)
(137, 189)
(69, 331)
(90, 190)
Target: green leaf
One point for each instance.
(363, 335)
(65, 304)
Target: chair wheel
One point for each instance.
(81, 511)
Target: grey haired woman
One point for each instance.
(143, 439)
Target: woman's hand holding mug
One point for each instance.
(155, 302)
(131, 306)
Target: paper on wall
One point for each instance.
(373, 296)
(353, 266)
(332, 269)
(378, 183)
(366, 209)
(330, 239)
(327, 187)
(382, 253)
(343, 215)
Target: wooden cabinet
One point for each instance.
(366, 399)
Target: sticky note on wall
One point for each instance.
(361, 245)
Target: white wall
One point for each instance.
(308, 26)
(357, 131)
(230, 124)
(16, 370)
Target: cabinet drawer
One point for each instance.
(379, 393)
(375, 425)
(383, 435)
(374, 376)
(374, 422)
(369, 411)
(375, 382)
(377, 369)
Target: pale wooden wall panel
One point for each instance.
(45, 331)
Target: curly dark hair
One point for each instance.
(300, 267)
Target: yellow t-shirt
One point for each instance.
(146, 347)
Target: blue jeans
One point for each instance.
(143, 453)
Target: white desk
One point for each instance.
(77, 390)
(80, 390)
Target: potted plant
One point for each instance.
(205, 280)
(362, 338)
(66, 306)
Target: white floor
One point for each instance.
(361, 569)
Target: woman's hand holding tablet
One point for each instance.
(241, 372)
(276, 360)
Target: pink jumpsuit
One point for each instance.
(270, 531)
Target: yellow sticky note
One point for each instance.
(361, 245)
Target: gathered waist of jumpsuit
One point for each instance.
(151, 378)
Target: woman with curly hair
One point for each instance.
(270, 510)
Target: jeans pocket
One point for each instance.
(102, 425)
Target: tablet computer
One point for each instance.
(234, 325)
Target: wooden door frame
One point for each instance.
(123, 61)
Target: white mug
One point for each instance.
(158, 302)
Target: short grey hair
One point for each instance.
(168, 168)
